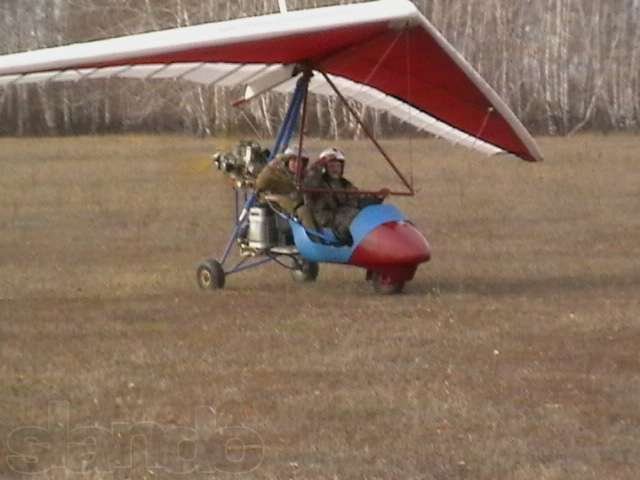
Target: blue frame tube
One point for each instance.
(240, 267)
(283, 138)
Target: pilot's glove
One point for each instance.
(383, 193)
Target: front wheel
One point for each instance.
(384, 285)
(210, 275)
(305, 272)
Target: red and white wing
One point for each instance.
(384, 54)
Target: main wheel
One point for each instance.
(306, 272)
(384, 285)
(210, 275)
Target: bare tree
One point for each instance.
(562, 65)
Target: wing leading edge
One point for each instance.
(384, 54)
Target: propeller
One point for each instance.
(200, 164)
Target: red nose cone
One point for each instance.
(392, 244)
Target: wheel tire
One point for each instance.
(308, 272)
(210, 275)
(384, 286)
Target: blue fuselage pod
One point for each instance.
(383, 241)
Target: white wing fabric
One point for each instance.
(384, 54)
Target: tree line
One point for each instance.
(562, 65)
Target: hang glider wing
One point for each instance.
(384, 54)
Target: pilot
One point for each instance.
(332, 208)
(277, 181)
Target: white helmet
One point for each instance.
(332, 153)
(293, 152)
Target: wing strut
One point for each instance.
(284, 137)
(305, 78)
(410, 191)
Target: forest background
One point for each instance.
(562, 65)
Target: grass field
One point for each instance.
(512, 355)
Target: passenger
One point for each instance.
(333, 208)
(278, 181)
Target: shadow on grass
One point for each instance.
(521, 286)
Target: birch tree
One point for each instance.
(562, 65)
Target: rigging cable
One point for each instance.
(411, 109)
(252, 125)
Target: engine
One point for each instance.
(244, 162)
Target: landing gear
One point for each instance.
(383, 284)
(210, 275)
(305, 272)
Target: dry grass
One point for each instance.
(513, 355)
